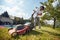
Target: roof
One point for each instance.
(5, 19)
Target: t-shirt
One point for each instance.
(37, 13)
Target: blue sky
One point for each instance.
(19, 8)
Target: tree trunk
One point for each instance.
(54, 23)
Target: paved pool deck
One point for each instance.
(2, 27)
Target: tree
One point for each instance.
(5, 14)
(53, 11)
(18, 20)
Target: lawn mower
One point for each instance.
(21, 29)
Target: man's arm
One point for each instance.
(33, 12)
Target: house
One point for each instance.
(5, 19)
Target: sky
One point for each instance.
(55, 3)
(19, 8)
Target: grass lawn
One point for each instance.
(45, 33)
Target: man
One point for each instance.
(37, 14)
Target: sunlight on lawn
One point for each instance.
(45, 33)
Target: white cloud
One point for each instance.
(55, 3)
(15, 2)
(2, 9)
(15, 10)
(21, 2)
(50, 22)
(10, 1)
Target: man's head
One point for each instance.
(41, 7)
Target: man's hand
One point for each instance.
(34, 11)
(32, 14)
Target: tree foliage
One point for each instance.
(53, 11)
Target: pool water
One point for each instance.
(9, 26)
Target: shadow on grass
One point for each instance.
(52, 33)
(33, 32)
(16, 37)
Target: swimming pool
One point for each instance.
(9, 26)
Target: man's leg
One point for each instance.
(35, 22)
(39, 24)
